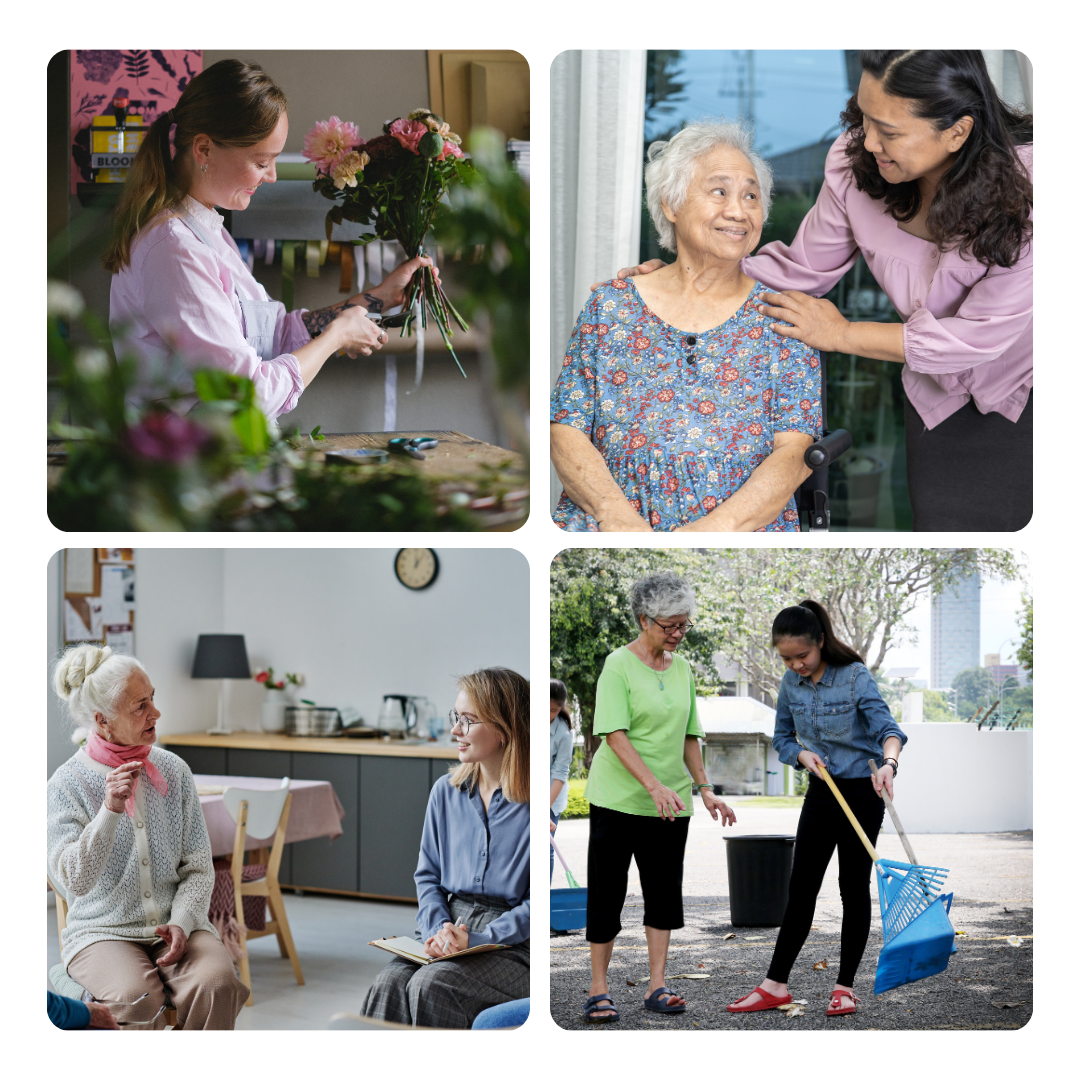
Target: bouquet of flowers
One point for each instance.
(395, 183)
(266, 677)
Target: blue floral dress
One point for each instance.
(681, 419)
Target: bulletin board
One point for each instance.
(99, 597)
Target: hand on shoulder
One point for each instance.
(630, 271)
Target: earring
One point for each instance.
(205, 167)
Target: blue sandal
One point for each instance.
(593, 1006)
(653, 1003)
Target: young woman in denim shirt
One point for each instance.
(829, 714)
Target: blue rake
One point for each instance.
(919, 939)
(568, 906)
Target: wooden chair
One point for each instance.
(262, 814)
(61, 923)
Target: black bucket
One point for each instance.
(759, 870)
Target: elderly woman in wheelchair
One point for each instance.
(678, 408)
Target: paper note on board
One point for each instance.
(117, 593)
(79, 570)
(120, 637)
(75, 628)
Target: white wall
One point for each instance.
(338, 616)
(955, 779)
(58, 742)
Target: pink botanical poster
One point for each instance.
(151, 80)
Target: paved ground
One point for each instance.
(988, 983)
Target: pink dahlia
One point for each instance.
(329, 141)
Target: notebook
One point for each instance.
(411, 949)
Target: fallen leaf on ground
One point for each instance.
(1014, 941)
(796, 1003)
(691, 975)
(822, 964)
(797, 1011)
(701, 965)
(727, 937)
(629, 983)
(755, 939)
(961, 933)
(1009, 1004)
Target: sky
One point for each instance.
(999, 630)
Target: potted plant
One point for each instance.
(279, 694)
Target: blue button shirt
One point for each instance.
(842, 719)
(465, 850)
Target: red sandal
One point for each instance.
(834, 1008)
(768, 1001)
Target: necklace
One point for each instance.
(659, 679)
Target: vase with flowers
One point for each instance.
(272, 713)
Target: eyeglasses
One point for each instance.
(126, 1023)
(674, 627)
(462, 721)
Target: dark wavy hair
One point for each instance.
(811, 621)
(983, 204)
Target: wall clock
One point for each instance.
(416, 568)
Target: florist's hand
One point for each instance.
(355, 333)
(177, 942)
(391, 291)
(814, 322)
(809, 760)
(883, 778)
(715, 805)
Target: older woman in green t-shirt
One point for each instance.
(639, 787)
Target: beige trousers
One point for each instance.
(202, 984)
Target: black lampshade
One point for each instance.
(221, 656)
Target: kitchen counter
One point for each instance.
(382, 786)
(259, 740)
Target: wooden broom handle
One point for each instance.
(850, 816)
(895, 819)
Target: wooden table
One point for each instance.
(459, 461)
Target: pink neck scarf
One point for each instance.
(105, 753)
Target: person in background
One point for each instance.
(561, 741)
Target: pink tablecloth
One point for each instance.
(316, 811)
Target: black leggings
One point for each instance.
(822, 828)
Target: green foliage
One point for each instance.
(936, 707)
(577, 806)
(1025, 655)
(975, 684)
(663, 87)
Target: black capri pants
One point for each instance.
(971, 473)
(823, 827)
(657, 846)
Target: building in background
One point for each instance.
(999, 672)
(954, 631)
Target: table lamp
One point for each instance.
(221, 656)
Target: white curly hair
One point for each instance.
(672, 162)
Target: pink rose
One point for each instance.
(450, 149)
(409, 133)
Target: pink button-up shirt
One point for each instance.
(967, 327)
(179, 292)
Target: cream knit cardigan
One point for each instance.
(123, 875)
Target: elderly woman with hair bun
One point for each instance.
(678, 408)
(129, 848)
(829, 714)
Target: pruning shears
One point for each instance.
(412, 447)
